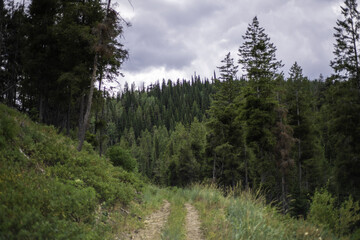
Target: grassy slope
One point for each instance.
(49, 190)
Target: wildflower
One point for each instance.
(306, 233)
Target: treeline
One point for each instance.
(163, 104)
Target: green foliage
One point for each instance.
(49, 190)
(322, 209)
(324, 212)
(121, 157)
(8, 128)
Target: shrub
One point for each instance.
(324, 212)
(121, 157)
(322, 209)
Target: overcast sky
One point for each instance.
(172, 39)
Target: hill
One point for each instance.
(49, 190)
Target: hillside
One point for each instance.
(50, 190)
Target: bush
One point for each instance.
(49, 190)
(121, 157)
(324, 212)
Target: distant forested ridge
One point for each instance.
(285, 134)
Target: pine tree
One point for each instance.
(258, 59)
(226, 131)
(106, 47)
(284, 143)
(343, 102)
(346, 49)
(257, 54)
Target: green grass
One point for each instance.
(247, 216)
(175, 225)
(210, 204)
(125, 221)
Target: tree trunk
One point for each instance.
(102, 128)
(92, 82)
(68, 117)
(214, 169)
(246, 170)
(41, 109)
(85, 123)
(97, 113)
(299, 140)
(81, 115)
(357, 77)
(283, 191)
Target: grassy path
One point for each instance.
(193, 224)
(203, 212)
(154, 224)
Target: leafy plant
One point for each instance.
(121, 157)
(323, 212)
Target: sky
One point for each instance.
(173, 39)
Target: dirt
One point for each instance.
(193, 225)
(154, 224)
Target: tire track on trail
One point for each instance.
(154, 224)
(193, 224)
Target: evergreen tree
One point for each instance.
(346, 49)
(284, 142)
(105, 47)
(344, 102)
(257, 54)
(258, 59)
(13, 20)
(226, 131)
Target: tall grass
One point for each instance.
(211, 205)
(244, 215)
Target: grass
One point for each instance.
(211, 206)
(175, 225)
(127, 220)
(245, 215)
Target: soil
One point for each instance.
(193, 225)
(154, 224)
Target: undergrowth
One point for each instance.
(49, 190)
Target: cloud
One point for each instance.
(183, 36)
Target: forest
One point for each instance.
(290, 137)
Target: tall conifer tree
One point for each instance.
(226, 133)
(344, 101)
(346, 48)
(258, 59)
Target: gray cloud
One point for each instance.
(188, 35)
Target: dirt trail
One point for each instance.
(154, 224)
(193, 231)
